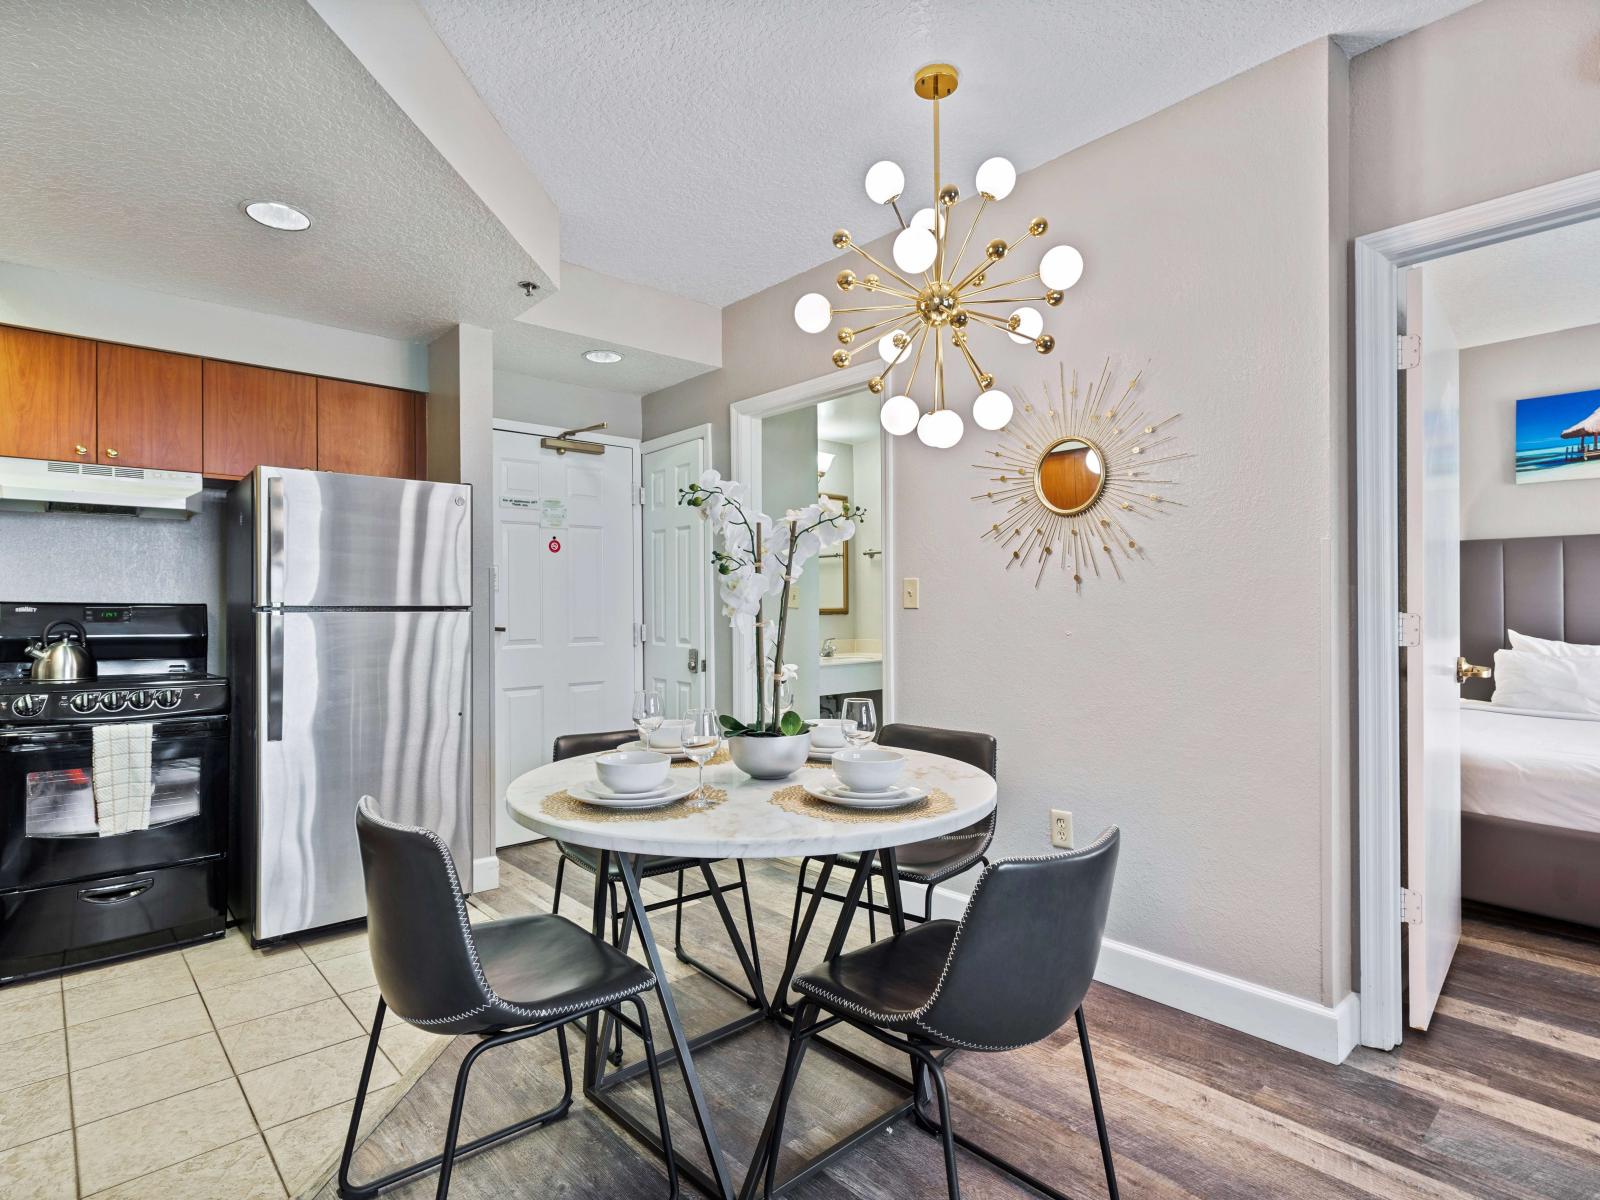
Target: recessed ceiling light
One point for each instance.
(274, 214)
(602, 356)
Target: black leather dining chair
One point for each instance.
(943, 985)
(500, 981)
(571, 745)
(934, 860)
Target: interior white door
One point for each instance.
(677, 578)
(566, 584)
(1433, 696)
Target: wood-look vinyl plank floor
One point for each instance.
(1500, 1099)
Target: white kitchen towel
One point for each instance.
(122, 777)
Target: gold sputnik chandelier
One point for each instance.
(932, 301)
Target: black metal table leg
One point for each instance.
(797, 942)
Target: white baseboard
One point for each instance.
(485, 873)
(1324, 1032)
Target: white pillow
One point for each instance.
(1522, 641)
(1525, 679)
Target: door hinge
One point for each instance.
(1408, 630)
(1410, 907)
(639, 632)
(1409, 346)
(640, 497)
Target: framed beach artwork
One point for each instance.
(1558, 437)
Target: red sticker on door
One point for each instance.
(555, 545)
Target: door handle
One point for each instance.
(275, 536)
(275, 677)
(117, 893)
(694, 660)
(1466, 671)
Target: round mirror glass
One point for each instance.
(1070, 476)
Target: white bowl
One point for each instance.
(669, 735)
(869, 769)
(829, 734)
(632, 770)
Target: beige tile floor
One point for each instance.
(216, 1071)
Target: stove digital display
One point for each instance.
(108, 614)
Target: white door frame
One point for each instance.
(1379, 257)
(708, 639)
(745, 417)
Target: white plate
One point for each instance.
(823, 753)
(834, 793)
(593, 793)
(675, 752)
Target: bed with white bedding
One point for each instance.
(1528, 765)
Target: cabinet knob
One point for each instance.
(81, 449)
(110, 453)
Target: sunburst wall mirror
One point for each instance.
(1071, 473)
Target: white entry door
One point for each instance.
(677, 577)
(1433, 694)
(565, 603)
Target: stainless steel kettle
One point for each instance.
(65, 659)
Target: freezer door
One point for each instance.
(358, 541)
(352, 704)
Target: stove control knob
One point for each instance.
(113, 701)
(140, 700)
(168, 698)
(28, 706)
(83, 702)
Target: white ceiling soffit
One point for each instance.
(132, 133)
(710, 149)
(1530, 285)
(553, 354)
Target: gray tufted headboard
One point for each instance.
(1548, 587)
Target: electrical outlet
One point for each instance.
(1061, 828)
(911, 593)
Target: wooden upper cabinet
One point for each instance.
(367, 430)
(46, 396)
(253, 416)
(149, 409)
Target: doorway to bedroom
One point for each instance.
(1482, 798)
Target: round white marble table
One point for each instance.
(745, 825)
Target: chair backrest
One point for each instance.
(570, 745)
(422, 949)
(978, 749)
(1025, 952)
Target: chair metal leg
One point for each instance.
(677, 920)
(561, 874)
(1099, 1113)
(947, 1135)
(799, 1037)
(661, 1102)
(346, 1188)
(452, 1131)
(872, 914)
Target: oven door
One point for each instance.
(47, 814)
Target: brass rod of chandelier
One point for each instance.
(895, 204)
(886, 321)
(971, 229)
(880, 287)
(939, 256)
(895, 362)
(972, 363)
(868, 308)
(1043, 296)
(987, 263)
(990, 287)
(856, 246)
(921, 338)
(991, 319)
(938, 364)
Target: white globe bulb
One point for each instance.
(812, 312)
(898, 415)
(996, 178)
(941, 429)
(992, 409)
(922, 219)
(1029, 325)
(885, 182)
(887, 350)
(915, 249)
(1060, 268)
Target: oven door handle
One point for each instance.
(117, 893)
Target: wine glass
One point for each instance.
(647, 714)
(702, 735)
(860, 717)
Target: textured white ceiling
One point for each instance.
(710, 147)
(131, 131)
(1530, 285)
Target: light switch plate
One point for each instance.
(1061, 829)
(911, 593)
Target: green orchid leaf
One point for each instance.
(732, 725)
(791, 723)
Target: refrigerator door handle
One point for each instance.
(275, 539)
(275, 676)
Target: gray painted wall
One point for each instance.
(1493, 379)
(545, 402)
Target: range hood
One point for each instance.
(40, 485)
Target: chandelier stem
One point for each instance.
(869, 308)
(889, 271)
(895, 204)
(955, 266)
(886, 321)
(921, 338)
(938, 236)
(1006, 299)
(938, 365)
(972, 363)
(1005, 283)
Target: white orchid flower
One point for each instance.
(709, 479)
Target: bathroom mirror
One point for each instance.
(1070, 475)
(833, 585)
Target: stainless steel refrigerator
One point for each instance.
(349, 636)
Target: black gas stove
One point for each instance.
(71, 891)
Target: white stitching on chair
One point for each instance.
(492, 998)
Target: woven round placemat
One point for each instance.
(564, 806)
(796, 799)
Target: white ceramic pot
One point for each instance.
(770, 757)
